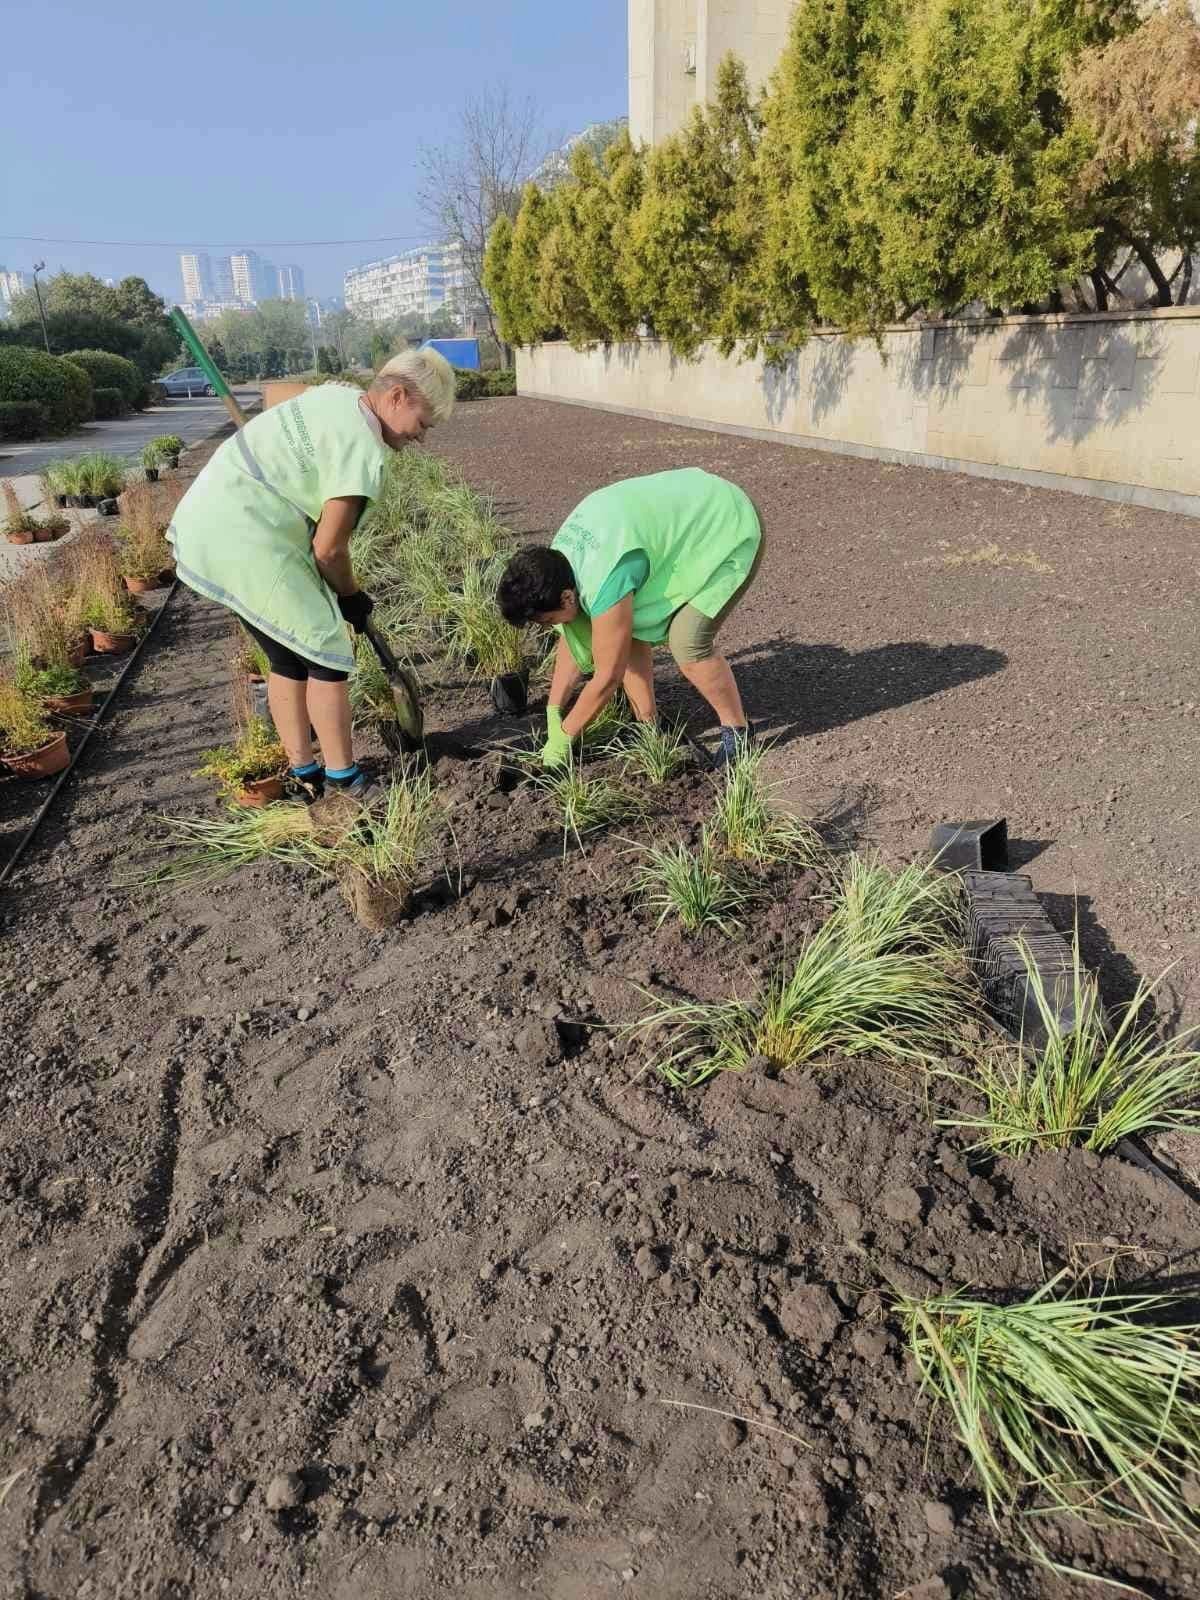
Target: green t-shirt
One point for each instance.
(698, 534)
(627, 577)
(243, 533)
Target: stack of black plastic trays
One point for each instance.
(1003, 915)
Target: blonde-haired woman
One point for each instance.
(266, 530)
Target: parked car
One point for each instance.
(187, 381)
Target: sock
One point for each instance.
(342, 774)
(309, 771)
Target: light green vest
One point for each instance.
(699, 532)
(243, 532)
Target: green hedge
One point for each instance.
(64, 391)
(81, 391)
(110, 403)
(108, 371)
(21, 419)
(470, 385)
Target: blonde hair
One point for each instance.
(426, 371)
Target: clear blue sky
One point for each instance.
(218, 123)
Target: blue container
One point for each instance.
(458, 352)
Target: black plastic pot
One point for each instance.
(510, 693)
(107, 508)
(172, 461)
(79, 501)
(151, 474)
(61, 500)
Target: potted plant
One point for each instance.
(29, 746)
(169, 446)
(51, 527)
(143, 556)
(20, 526)
(101, 476)
(112, 624)
(150, 460)
(59, 688)
(55, 480)
(251, 770)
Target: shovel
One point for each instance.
(406, 694)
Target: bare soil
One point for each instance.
(363, 1266)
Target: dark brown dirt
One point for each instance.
(368, 1266)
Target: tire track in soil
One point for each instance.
(116, 1325)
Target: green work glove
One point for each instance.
(556, 751)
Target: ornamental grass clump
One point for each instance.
(1085, 1404)
(750, 827)
(1095, 1080)
(586, 804)
(885, 987)
(694, 885)
(651, 753)
(100, 475)
(142, 548)
(41, 616)
(210, 848)
(476, 633)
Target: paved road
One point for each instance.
(190, 419)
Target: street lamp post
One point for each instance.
(40, 266)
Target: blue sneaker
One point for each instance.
(733, 742)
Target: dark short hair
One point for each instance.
(533, 584)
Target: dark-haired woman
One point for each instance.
(652, 560)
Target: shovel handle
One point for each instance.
(383, 650)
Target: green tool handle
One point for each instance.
(204, 361)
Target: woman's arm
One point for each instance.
(567, 676)
(612, 640)
(331, 542)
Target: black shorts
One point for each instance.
(286, 663)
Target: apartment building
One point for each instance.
(418, 282)
(676, 46)
(11, 283)
(291, 282)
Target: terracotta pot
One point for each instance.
(43, 763)
(260, 792)
(70, 705)
(78, 653)
(143, 585)
(111, 644)
(47, 532)
(20, 536)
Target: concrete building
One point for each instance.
(291, 282)
(195, 268)
(418, 282)
(676, 46)
(254, 278)
(11, 283)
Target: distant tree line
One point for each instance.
(1012, 155)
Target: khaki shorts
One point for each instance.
(692, 636)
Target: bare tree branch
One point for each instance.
(478, 176)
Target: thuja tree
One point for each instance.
(511, 272)
(695, 235)
(584, 274)
(960, 160)
(1138, 94)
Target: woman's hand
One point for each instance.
(556, 752)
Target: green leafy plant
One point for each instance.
(652, 753)
(151, 455)
(477, 634)
(16, 518)
(107, 614)
(24, 726)
(1092, 1082)
(695, 885)
(1089, 1404)
(167, 445)
(750, 827)
(49, 682)
(256, 753)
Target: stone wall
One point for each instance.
(1107, 405)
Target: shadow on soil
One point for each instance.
(798, 689)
